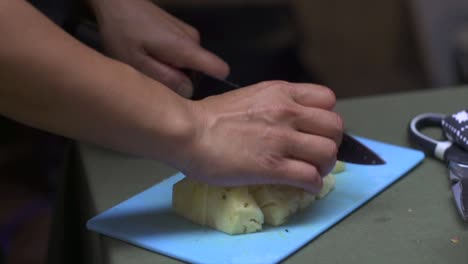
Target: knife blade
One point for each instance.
(351, 150)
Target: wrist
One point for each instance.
(184, 131)
(148, 119)
(176, 124)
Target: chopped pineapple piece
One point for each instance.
(279, 202)
(189, 199)
(231, 210)
(339, 167)
(328, 185)
(306, 200)
(240, 210)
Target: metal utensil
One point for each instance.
(447, 151)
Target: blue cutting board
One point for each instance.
(146, 220)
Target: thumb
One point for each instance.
(207, 62)
(175, 79)
(192, 56)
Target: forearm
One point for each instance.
(51, 81)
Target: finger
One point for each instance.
(207, 62)
(319, 122)
(170, 76)
(318, 151)
(298, 174)
(191, 31)
(192, 56)
(313, 95)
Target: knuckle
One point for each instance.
(338, 128)
(311, 172)
(311, 176)
(271, 161)
(330, 150)
(327, 168)
(278, 113)
(285, 111)
(328, 96)
(316, 179)
(194, 33)
(330, 93)
(277, 135)
(279, 140)
(329, 157)
(339, 123)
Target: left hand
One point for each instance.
(272, 132)
(154, 42)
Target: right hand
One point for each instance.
(154, 42)
(269, 133)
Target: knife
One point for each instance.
(351, 150)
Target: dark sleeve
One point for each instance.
(74, 16)
(62, 12)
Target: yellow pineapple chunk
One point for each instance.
(240, 210)
(231, 210)
(189, 199)
(329, 182)
(339, 167)
(306, 200)
(279, 202)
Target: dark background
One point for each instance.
(357, 48)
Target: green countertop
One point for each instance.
(413, 221)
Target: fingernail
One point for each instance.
(185, 89)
